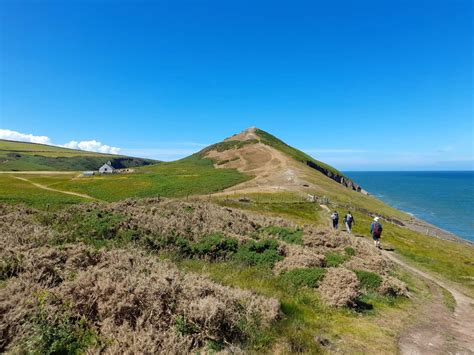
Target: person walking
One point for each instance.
(376, 231)
(349, 220)
(335, 219)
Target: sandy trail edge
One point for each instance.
(461, 324)
(44, 187)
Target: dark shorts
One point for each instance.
(375, 237)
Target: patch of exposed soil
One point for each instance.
(438, 331)
(272, 169)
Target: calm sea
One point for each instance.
(442, 198)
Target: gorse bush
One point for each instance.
(303, 277)
(57, 332)
(10, 266)
(212, 247)
(215, 247)
(264, 252)
(370, 281)
(185, 327)
(179, 245)
(293, 236)
(334, 259)
(349, 251)
(94, 227)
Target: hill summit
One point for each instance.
(274, 164)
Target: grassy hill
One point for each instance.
(259, 271)
(22, 156)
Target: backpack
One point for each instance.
(377, 230)
(349, 218)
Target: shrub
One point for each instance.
(215, 247)
(340, 287)
(304, 277)
(334, 259)
(370, 281)
(350, 251)
(184, 327)
(96, 227)
(180, 245)
(10, 266)
(293, 236)
(264, 252)
(57, 332)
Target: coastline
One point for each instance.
(421, 226)
(427, 208)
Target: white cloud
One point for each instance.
(22, 137)
(90, 146)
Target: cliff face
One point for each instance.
(336, 177)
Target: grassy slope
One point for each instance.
(17, 191)
(450, 260)
(296, 154)
(21, 156)
(194, 175)
(176, 179)
(305, 314)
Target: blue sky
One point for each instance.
(362, 85)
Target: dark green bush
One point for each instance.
(334, 259)
(264, 252)
(95, 227)
(215, 247)
(293, 236)
(304, 277)
(184, 327)
(350, 251)
(10, 266)
(174, 243)
(369, 281)
(58, 333)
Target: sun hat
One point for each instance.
(376, 219)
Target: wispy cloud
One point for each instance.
(90, 145)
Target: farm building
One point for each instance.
(107, 168)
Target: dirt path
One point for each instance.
(438, 331)
(44, 187)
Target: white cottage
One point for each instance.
(107, 168)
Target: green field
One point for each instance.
(16, 191)
(190, 176)
(21, 156)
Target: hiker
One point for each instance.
(335, 219)
(349, 220)
(376, 231)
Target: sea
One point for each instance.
(442, 198)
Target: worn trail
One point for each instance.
(438, 331)
(44, 187)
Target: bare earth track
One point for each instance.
(44, 187)
(438, 331)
